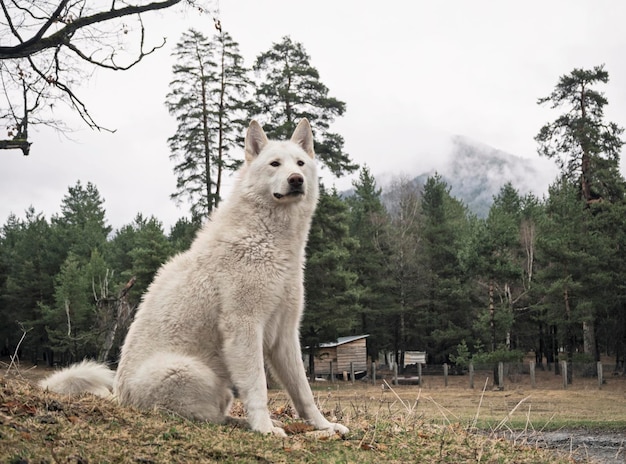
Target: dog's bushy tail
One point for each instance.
(84, 377)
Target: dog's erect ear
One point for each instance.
(303, 136)
(255, 140)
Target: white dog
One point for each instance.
(214, 315)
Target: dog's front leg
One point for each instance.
(243, 351)
(287, 365)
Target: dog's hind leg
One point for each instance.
(178, 383)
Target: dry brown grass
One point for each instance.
(393, 425)
(548, 405)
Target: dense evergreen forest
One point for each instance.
(410, 266)
(416, 271)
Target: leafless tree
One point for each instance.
(47, 47)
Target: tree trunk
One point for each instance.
(539, 354)
(569, 338)
(509, 307)
(492, 319)
(554, 349)
(122, 318)
(207, 149)
(205, 134)
(220, 142)
(589, 340)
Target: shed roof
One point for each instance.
(342, 341)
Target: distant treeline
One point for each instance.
(421, 273)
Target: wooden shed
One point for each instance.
(344, 351)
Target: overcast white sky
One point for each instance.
(411, 72)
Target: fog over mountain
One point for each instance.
(476, 172)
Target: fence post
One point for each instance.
(374, 373)
(332, 372)
(395, 373)
(471, 375)
(600, 375)
(352, 372)
(501, 375)
(445, 374)
(419, 374)
(532, 374)
(564, 373)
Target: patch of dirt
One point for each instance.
(580, 445)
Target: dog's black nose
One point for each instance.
(295, 180)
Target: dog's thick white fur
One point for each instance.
(214, 315)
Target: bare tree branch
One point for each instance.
(54, 17)
(113, 66)
(38, 42)
(43, 56)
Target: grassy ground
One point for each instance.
(394, 425)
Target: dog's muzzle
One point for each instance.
(296, 186)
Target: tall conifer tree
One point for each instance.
(584, 145)
(207, 97)
(288, 89)
(330, 282)
(587, 149)
(368, 224)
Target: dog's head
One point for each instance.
(286, 170)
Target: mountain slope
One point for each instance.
(476, 172)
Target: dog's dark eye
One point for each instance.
(300, 163)
(275, 164)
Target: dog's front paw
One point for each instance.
(329, 432)
(278, 432)
(340, 429)
(271, 429)
(277, 423)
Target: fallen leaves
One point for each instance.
(18, 408)
(373, 447)
(294, 428)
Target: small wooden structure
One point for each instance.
(344, 351)
(415, 357)
(410, 357)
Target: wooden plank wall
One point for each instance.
(323, 357)
(342, 356)
(355, 352)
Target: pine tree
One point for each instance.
(72, 322)
(585, 147)
(81, 227)
(329, 282)
(27, 268)
(368, 224)
(207, 97)
(406, 330)
(566, 261)
(496, 248)
(137, 251)
(444, 228)
(182, 234)
(288, 89)
(609, 227)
